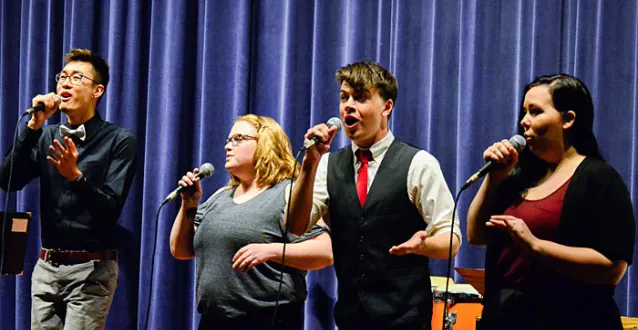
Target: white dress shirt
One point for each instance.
(425, 185)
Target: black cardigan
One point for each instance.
(597, 213)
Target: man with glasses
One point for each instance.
(86, 167)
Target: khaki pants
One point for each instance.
(72, 297)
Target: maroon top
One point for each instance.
(542, 217)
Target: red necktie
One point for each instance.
(364, 157)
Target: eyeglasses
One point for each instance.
(76, 79)
(239, 138)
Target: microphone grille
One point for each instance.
(335, 121)
(518, 142)
(207, 169)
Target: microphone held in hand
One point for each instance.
(334, 121)
(517, 141)
(206, 170)
(40, 106)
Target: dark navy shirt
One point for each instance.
(77, 215)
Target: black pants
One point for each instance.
(512, 309)
(289, 317)
(362, 321)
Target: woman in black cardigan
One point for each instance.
(557, 220)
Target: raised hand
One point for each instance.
(65, 158)
(191, 197)
(51, 103)
(503, 154)
(411, 246)
(516, 228)
(325, 135)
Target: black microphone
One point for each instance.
(334, 121)
(40, 106)
(206, 170)
(517, 141)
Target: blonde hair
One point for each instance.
(273, 160)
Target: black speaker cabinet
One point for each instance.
(13, 240)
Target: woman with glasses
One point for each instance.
(237, 235)
(557, 220)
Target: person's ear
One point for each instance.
(98, 91)
(568, 119)
(387, 108)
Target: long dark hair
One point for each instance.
(568, 93)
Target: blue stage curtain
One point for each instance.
(183, 70)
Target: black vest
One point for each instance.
(392, 290)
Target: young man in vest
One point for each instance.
(387, 204)
(86, 167)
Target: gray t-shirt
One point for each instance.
(224, 228)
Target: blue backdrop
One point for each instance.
(183, 70)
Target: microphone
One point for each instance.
(206, 170)
(334, 121)
(40, 106)
(517, 141)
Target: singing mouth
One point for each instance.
(65, 96)
(351, 121)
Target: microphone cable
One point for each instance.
(205, 170)
(285, 238)
(150, 282)
(448, 325)
(6, 200)
(334, 121)
(519, 143)
(29, 111)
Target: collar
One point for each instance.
(377, 149)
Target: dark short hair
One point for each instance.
(366, 75)
(99, 64)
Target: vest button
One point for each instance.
(361, 257)
(361, 239)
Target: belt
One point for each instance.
(71, 257)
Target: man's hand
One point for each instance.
(65, 159)
(325, 136)
(412, 246)
(51, 103)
